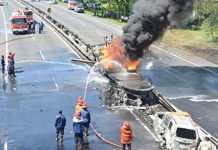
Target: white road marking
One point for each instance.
(6, 146)
(43, 57)
(6, 40)
(83, 24)
(185, 60)
(144, 125)
(178, 77)
(6, 35)
(204, 100)
(59, 37)
(56, 84)
(99, 33)
(195, 98)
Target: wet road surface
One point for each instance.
(187, 80)
(46, 82)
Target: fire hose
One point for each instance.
(102, 138)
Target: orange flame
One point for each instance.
(133, 65)
(116, 52)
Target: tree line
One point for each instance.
(109, 8)
(205, 12)
(206, 17)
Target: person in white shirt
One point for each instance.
(205, 144)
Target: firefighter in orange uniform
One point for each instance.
(126, 135)
(79, 104)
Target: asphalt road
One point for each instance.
(190, 82)
(46, 82)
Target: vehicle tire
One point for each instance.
(14, 32)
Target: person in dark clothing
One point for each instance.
(41, 26)
(34, 26)
(3, 64)
(60, 124)
(30, 26)
(86, 119)
(77, 127)
(11, 68)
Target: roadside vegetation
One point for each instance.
(200, 36)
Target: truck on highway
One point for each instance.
(27, 12)
(72, 4)
(176, 130)
(18, 23)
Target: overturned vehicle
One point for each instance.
(128, 89)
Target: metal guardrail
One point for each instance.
(88, 52)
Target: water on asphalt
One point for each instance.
(32, 100)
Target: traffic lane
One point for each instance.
(3, 31)
(103, 27)
(88, 34)
(166, 71)
(203, 112)
(91, 31)
(189, 86)
(25, 41)
(18, 43)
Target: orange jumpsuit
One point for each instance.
(126, 135)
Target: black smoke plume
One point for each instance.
(149, 20)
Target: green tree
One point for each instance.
(211, 24)
(116, 8)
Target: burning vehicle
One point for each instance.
(127, 87)
(146, 25)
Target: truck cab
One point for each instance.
(176, 129)
(18, 23)
(72, 4)
(27, 12)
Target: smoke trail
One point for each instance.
(150, 19)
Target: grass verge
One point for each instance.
(198, 42)
(108, 20)
(183, 38)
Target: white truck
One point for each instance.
(176, 130)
